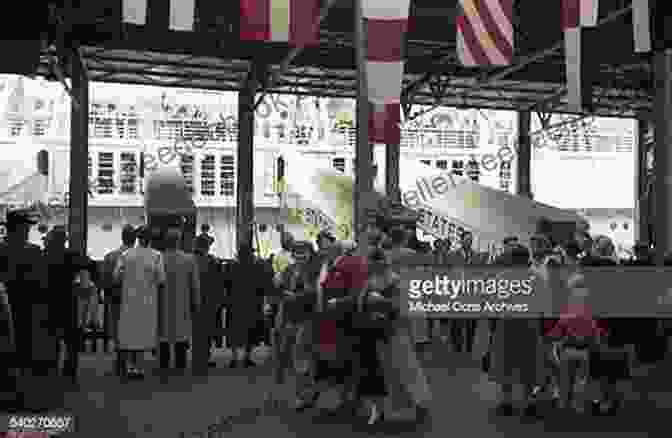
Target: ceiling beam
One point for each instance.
(533, 58)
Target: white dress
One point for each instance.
(141, 271)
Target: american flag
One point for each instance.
(485, 33)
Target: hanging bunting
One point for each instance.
(385, 123)
(295, 22)
(485, 33)
(385, 24)
(577, 16)
(135, 12)
(180, 14)
(641, 24)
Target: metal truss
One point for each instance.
(433, 75)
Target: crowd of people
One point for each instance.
(165, 302)
(341, 324)
(332, 311)
(573, 350)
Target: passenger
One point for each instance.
(516, 349)
(113, 291)
(245, 314)
(178, 302)
(213, 293)
(141, 274)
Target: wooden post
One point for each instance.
(524, 156)
(641, 179)
(245, 161)
(363, 150)
(79, 156)
(663, 156)
(392, 158)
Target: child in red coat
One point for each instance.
(576, 333)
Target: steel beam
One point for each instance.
(392, 160)
(79, 157)
(642, 221)
(531, 59)
(663, 155)
(245, 162)
(524, 155)
(363, 149)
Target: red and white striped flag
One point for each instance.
(181, 13)
(485, 32)
(295, 22)
(385, 24)
(577, 14)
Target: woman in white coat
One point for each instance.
(140, 271)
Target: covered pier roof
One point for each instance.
(213, 57)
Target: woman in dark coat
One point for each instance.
(516, 349)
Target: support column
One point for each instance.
(79, 156)
(363, 149)
(524, 159)
(392, 158)
(641, 202)
(245, 162)
(663, 157)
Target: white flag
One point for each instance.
(182, 14)
(641, 25)
(135, 12)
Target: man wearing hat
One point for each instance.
(66, 268)
(205, 235)
(212, 295)
(21, 268)
(245, 315)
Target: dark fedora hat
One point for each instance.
(19, 217)
(203, 241)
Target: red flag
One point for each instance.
(579, 13)
(384, 123)
(386, 23)
(295, 22)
